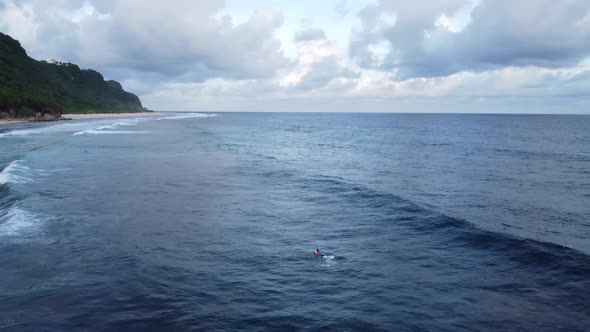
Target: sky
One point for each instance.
(460, 56)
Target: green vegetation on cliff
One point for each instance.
(39, 89)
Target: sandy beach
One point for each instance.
(86, 116)
(5, 122)
(106, 115)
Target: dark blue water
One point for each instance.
(434, 222)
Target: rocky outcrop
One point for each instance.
(30, 115)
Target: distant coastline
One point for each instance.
(15, 121)
(32, 90)
(106, 115)
(81, 117)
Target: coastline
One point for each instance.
(81, 117)
(105, 115)
(6, 122)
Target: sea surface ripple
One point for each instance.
(208, 222)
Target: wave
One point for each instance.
(16, 221)
(115, 125)
(75, 127)
(543, 155)
(109, 132)
(188, 116)
(109, 128)
(456, 232)
(126, 123)
(105, 126)
(15, 172)
(66, 127)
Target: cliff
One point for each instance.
(42, 90)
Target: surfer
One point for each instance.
(319, 253)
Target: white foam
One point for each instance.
(188, 116)
(16, 220)
(113, 126)
(108, 132)
(125, 123)
(117, 124)
(15, 172)
(108, 128)
(69, 127)
(93, 127)
(76, 127)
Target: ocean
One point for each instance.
(209, 222)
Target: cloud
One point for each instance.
(176, 39)
(323, 71)
(319, 63)
(500, 33)
(520, 33)
(384, 54)
(342, 8)
(187, 37)
(310, 34)
(18, 21)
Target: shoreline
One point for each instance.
(81, 117)
(7, 122)
(105, 115)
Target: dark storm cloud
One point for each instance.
(501, 33)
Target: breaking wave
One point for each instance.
(108, 132)
(16, 220)
(188, 116)
(107, 129)
(15, 172)
(106, 126)
(75, 127)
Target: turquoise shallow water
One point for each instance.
(209, 222)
